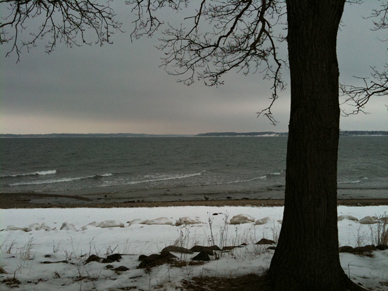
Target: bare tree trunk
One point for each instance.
(307, 257)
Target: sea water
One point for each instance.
(179, 168)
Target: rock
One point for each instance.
(209, 250)
(114, 257)
(366, 250)
(55, 262)
(37, 226)
(158, 221)
(262, 221)
(156, 260)
(265, 241)
(368, 220)
(382, 247)
(67, 226)
(202, 256)
(85, 227)
(133, 221)
(241, 218)
(348, 217)
(12, 228)
(93, 258)
(121, 269)
(176, 249)
(187, 220)
(346, 249)
(110, 223)
(109, 267)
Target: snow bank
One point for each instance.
(46, 249)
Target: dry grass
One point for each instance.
(382, 230)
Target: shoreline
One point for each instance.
(37, 200)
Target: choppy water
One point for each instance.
(178, 167)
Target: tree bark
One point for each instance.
(306, 257)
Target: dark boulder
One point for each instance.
(114, 257)
(382, 247)
(156, 260)
(202, 256)
(93, 258)
(265, 241)
(121, 269)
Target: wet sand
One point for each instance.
(35, 200)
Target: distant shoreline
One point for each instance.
(209, 134)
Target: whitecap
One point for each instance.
(37, 173)
(353, 181)
(161, 178)
(51, 181)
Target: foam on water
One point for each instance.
(38, 173)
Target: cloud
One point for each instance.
(121, 88)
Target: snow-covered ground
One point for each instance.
(46, 249)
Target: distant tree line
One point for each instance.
(272, 133)
(219, 134)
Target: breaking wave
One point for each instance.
(152, 179)
(38, 173)
(353, 181)
(60, 180)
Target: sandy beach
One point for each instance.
(35, 200)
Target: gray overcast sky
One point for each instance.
(120, 88)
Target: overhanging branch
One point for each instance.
(61, 21)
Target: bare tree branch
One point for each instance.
(146, 22)
(377, 85)
(222, 36)
(61, 21)
(359, 96)
(382, 16)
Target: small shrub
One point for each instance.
(382, 230)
